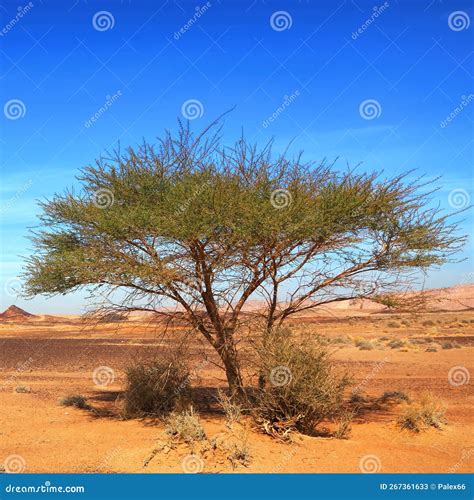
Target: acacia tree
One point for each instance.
(191, 223)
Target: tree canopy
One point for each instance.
(190, 222)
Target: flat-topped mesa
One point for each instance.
(16, 313)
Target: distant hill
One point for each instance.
(15, 313)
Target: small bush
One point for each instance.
(341, 340)
(22, 389)
(431, 349)
(154, 389)
(77, 401)
(185, 426)
(384, 338)
(427, 413)
(364, 345)
(239, 453)
(232, 410)
(396, 344)
(393, 324)
(395, 396)
(301, 387)
(357, 396)
(447, 345)
(344, 427)
(428, 322)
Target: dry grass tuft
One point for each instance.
(428, 412)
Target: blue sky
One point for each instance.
(136, 63)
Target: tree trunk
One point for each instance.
(228, 354)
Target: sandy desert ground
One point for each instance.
(43, 359)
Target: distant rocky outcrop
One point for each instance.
(15, 313)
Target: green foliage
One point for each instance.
(188, 189)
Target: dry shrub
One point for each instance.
(22, 389)
(185, 426)
(344, 427)
(301, 389)
(75, 400)
(232, 410)
(155, 388)
(239, 453)
(396, 344)
(428, 412)
(395, 396)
